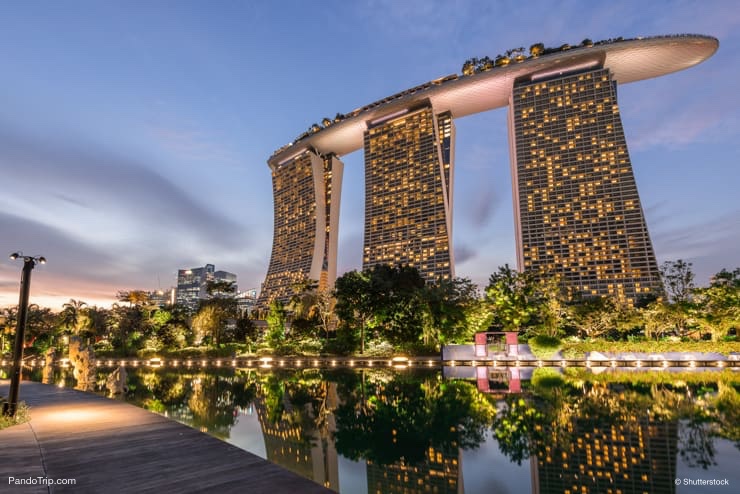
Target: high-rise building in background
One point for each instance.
(162, 298)
(306, 189)
(408, 187)
(577, 210)
(192, 284)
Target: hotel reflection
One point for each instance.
(440, 473)
(636, 455)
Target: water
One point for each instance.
(403, 431)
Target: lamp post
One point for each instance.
(29, 262)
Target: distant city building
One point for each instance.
(577, 211)
(246, 301)
(192, 284)
(162, 298)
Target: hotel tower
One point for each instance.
(577, 213)
(408, 203)
(306, 189)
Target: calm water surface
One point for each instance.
(402, 431)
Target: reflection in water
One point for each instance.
(412, 430)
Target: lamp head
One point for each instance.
(14, 255)
(42, 260)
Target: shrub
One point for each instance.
(21, 415)
(544, 347)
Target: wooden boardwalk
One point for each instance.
(109, 446)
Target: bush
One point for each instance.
(21, 415)
(579, 350)
(544, 347)
(346, 342)
(376, 348)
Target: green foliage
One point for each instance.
(580, 348)
(594, 317)
(718, 306)
(347, 340)
(446, 305)
(517, 428)
(402, 418)
(213, 317)
(21, 416)
(275, 324)
(512, 296)
(678, 280)
(674, 379)
(544, 347)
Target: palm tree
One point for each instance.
(8, 321)
(72, 315)
(133, 297)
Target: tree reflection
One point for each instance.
(204, 400)
(390, 417)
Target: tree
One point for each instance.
(40, 325)
(325, 303)
(718, 306)
(552, 310)
(354, 305)
(8, 322)
(276, 324)
(212, 318)
(595, 317)
(512, 297)
(302, 306)
(133, 297)
(128, 326)
(446, 304)
(72, 316)
(678, 280)
(97, 321)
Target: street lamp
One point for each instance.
(29, 262)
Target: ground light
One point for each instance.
(29, 262)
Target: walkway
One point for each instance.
(110, 446)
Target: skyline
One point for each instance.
(137, 145)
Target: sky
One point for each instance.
(134, 135)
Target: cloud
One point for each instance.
(104, 220)
(76, 187)
(704, 243)
(464, 253)
(192, 143)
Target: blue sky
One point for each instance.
(134, 135)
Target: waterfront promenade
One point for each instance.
(109, 446)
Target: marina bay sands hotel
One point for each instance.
(577, 212)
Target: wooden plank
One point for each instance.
(110, 446)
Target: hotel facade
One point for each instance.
(577, 211)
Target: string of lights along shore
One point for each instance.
(577, 212)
